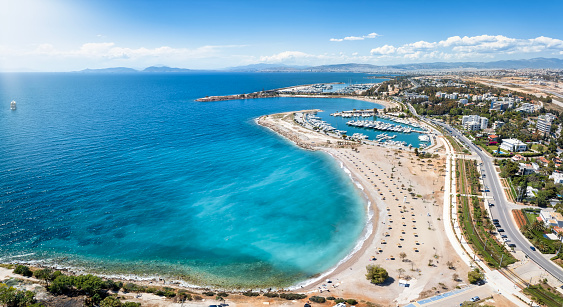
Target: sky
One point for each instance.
(69, 35)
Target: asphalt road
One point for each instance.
(501, 209)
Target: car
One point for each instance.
(497, 225)
(506, 240)
(532, 248)
(491, 204)
(503, 236)
(475, 299)
(500, 230)
(495, 220)
(511, 245)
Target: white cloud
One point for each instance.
(355, 38)
(286, 57)
(457, 47)
(386, 49)
(111, 51)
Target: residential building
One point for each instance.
(513, 145)
(498, 124)
(544, 123)
(518, 158)
(474, 122)
(557, 177)
(525, 169)
(527, 108)
(484, 122)
(551, 218)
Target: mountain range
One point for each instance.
(535, 63)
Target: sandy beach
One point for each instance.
(406, 197)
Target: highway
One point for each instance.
(502, 208)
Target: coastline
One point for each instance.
(373, 208)
(383, 174)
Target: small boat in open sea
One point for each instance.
(13, 105)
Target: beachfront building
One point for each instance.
(544, 123)
(513, 145)
(474, 122)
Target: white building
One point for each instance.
(513, 145)
(557, 177)
(544, 123)
(474, 122)
(484, 122)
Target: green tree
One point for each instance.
(475, 276)
(376, 274)
(510, 169)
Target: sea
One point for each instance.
(127, 175)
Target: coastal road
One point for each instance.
(502, 208)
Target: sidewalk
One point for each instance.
(461, 246)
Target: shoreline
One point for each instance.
(371, 207)
(384, 174)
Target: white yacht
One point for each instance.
(13, 105)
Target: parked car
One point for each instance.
(503, 236)
(475, 299)
(532, 248)
(500, 230)
(491, 204)
(495, 221)
(506, 240)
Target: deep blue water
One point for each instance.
(126, 173)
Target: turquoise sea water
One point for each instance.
(127, 174)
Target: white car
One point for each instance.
(506, 240)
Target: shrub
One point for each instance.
(130, 304)
(222, 294)
(292, 296)
(271, 294)
(23, 270)
(331, 298)
(317, 299)
(250, 293)
(10, 296)
(209, 293)
(352, 301)
(110, 301)
(183, 295)
(197, 298)
(339, 300)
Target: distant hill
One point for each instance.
(535, 63)
(165, 69)
(112, 70)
